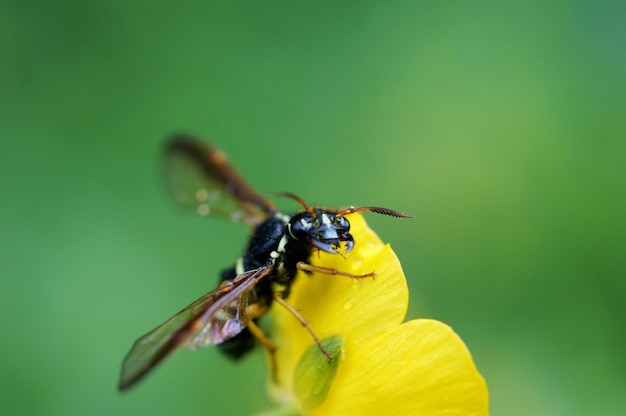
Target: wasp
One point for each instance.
(200, 177)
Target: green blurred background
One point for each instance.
(501, 128)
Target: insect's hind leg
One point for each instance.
(269, 346)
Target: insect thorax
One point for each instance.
(271, 241)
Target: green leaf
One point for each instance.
(314, 373)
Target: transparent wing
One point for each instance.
(199, 177)
(212, 319)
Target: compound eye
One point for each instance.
(341, 222)
(300, 226)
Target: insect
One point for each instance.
(199, 176)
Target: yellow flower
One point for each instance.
(384, 366)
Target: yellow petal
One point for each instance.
(419, 368)
(356, 309)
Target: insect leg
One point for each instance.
(310, 268)
(278, 297)
(269, 346)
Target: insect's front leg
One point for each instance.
(326, 270)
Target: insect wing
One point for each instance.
(199, 177)
(215, 317)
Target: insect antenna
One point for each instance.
(298, 200)
(377, 210)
